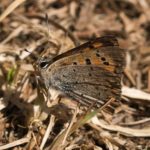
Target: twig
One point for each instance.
(70, 125)
(148, 80)
(145, 120)
(15, 143)
(145, 132)
(135, 94)
(49, 129)
(10, 8)
(129, 76)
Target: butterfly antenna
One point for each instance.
(47, 24)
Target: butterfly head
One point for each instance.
(43, 63)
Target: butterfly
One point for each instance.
(90, 73)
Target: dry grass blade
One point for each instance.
(13, 34)
(145, 120)
(49, 129)
(145, 132)
(15, 143)
(24, 103)
(135, 93)
(10, 8)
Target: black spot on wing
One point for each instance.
(88, 61)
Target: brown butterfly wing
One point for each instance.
(89, 73)
(93, 44)
(102, 51)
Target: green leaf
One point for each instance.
(10, 75)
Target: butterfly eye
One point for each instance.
(43, 64)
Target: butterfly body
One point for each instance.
(90, 73)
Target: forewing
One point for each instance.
(106, 41)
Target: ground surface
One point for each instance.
(24, 117)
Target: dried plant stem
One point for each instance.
(49, 129)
